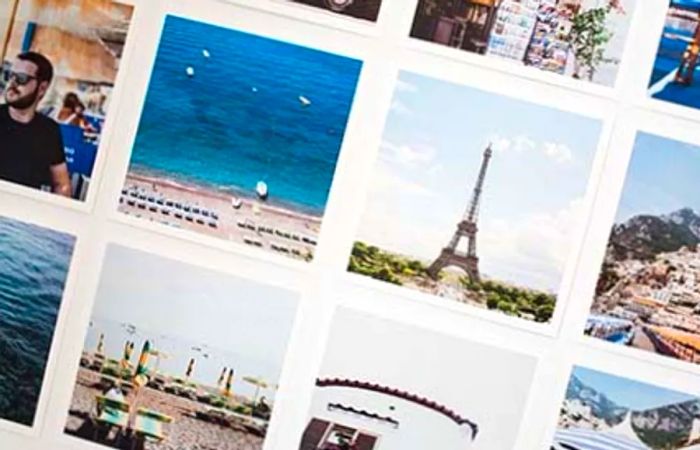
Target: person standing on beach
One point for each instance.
(31, 146)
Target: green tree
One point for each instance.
(589, 37)
(543, 313)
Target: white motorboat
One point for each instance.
(261, 190)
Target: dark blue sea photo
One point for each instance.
(33, 268)
(246, 127)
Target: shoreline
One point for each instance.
(205, 211)
(214, 193)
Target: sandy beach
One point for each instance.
(254, 222)
(185, 432)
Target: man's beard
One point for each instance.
(22, 102)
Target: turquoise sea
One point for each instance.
(239, 117)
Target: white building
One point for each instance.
(348, 414)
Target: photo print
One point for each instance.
(582, 39)
(647, 295)
(476, 206)
(239, 137)
(673, 78)
(205, 378)
(34, 265)
(603, 411)
(60, 60)
(359, 9)
(377, 390)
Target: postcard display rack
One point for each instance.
(328, 225)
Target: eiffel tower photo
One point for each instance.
(466, 229)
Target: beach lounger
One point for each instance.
(240, 224)
(153, 208)
(199, 221)
(111, 413)
(308, 240)
(150, 424)
(252, 241)
(213, 224)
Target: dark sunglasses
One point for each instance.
(21, 79)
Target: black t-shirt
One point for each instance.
(27, 151)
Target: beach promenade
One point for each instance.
(243, 220)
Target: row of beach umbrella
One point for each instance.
(141, 372)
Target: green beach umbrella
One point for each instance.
(229, 382)
(141, 374)
(128, 350)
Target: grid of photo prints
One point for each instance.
(350, 224)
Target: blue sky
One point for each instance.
(629, 393)
(662, 177)
(431, 152)
(238, 323)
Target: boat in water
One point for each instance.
(304, 101)
(190, 71)
(261, 190)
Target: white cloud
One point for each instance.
(500, 144)
(385, 180)
(532, 251)
(523, 144)
(558, 152)
(404, 86)
(407, 156)
(398, 107)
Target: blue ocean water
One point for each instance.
(239, 119)
(33, 267)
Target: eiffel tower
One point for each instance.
(466, 228)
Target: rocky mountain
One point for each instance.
(668, 426)
(645, 236)
(664, 427)
(601, 407)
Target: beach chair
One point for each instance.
(150, 425)
(111, 413)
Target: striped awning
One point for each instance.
(581, 439)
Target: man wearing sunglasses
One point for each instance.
(31, 147)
